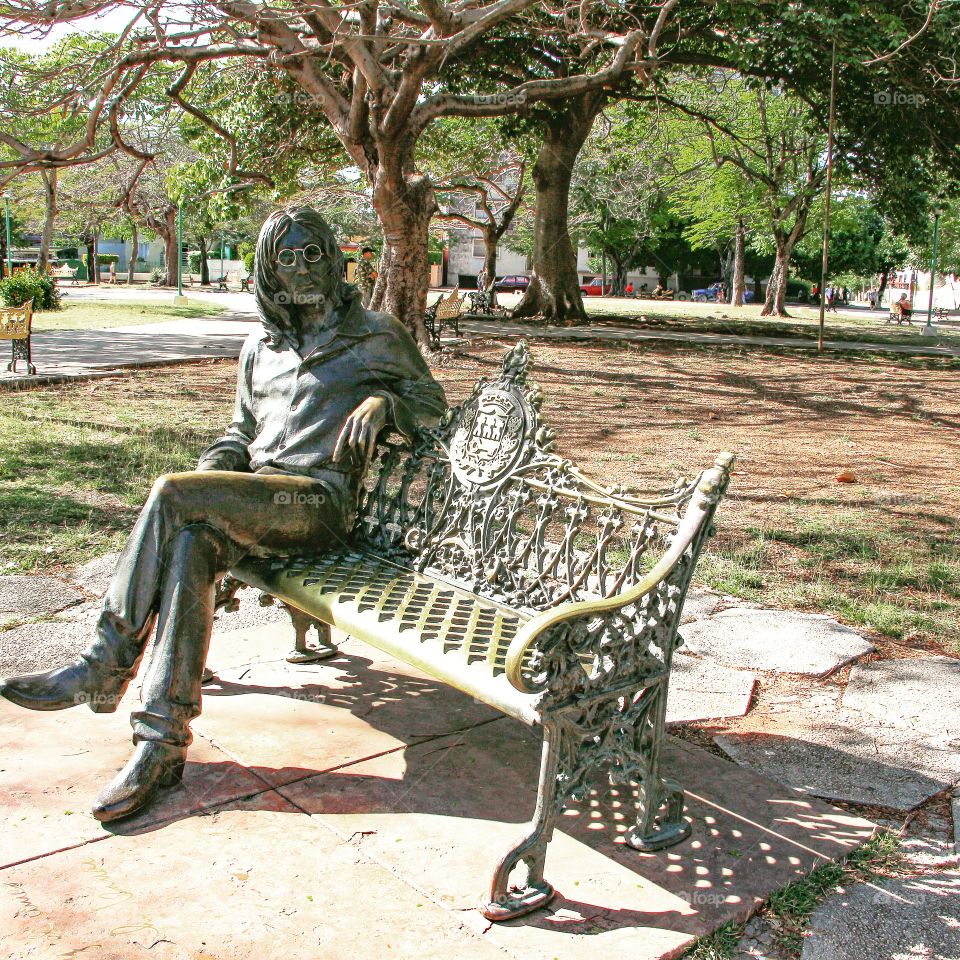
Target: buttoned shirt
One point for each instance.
(291, 408)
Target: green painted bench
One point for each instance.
(490, 563)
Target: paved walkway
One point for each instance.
(351, 802)
(402, 788)
(69, 354)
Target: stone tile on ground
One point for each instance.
(904, 918)
(94, 575)
(839, 756)
(291, 721)
(53, 765)
(701, 690)
(37, 646)
(699, 603)
(920, 693)
(775, 640)
(442, 813)
(23, 598)
(254, 880)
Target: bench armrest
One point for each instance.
(709, 490)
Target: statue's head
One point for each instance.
(298, 266)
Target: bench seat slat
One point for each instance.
(450, 633)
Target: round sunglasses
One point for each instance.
(311, 254)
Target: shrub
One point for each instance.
(193, 261)
(26, 284)
(156, 275)
(248, 261)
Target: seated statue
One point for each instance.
(317, 383)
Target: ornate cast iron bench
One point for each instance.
(489, 562)
(15, 325)
(444, 313)
(481, 302)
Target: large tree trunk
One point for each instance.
(619, 276)
(167, 228)
(405, 203)
(775, 302)
(92, 261)
(554, 291)
(134, 250)
(204, 266)
(884, 279)
(739, 256)
(491, 239)
(49, 215)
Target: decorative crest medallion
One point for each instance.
(488, 440)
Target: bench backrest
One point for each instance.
(449, 306)
(15, 322)
(483, 500)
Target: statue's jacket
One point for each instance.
(290, 408)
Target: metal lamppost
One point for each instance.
(6, 210)
(180, 298)
(929, 330)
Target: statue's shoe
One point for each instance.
(63, 687)
(152, 766)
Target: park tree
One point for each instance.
(375, 72)
(481, 181)
(381, 74)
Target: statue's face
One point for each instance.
(304, 272)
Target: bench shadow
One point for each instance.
(464, 761)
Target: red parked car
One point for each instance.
(595, 287)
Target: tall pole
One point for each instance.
(221, 254)
(928, 330)
(826, 213)
(6, 210)
(180, 251)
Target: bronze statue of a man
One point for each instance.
(316, 386)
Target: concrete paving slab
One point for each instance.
(94, 575)
(442, 813)
(253, 880)
(919, 694)
(53, 765)
(288, 722)
(37, 646)
(23, 598)
(702, 690)
(699, 603)
(775, 640)
(904, 918)
(843, 758)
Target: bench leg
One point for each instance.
(660, 820)
(507, 902)
(302, 651)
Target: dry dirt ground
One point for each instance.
(881, 553)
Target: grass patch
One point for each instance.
(789, 910)
(890, 579)
(102, 315)
(77, 461)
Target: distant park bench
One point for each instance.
(444, 313)
(16, 325)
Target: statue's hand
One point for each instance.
(362, 428)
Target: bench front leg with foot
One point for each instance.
(508, 902)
